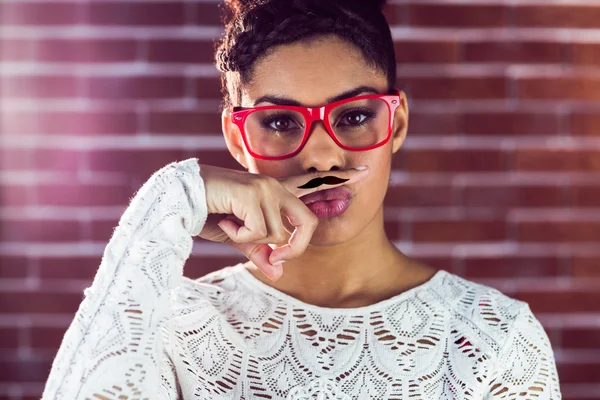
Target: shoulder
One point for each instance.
(208, 292)
(482, 309)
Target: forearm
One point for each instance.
(113, 345)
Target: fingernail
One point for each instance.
(275, 274)
(361, 168)
(279, 262)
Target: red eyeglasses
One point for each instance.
(278, 132)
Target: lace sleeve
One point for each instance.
(526, 367)
(113, 348)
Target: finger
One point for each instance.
(277, 233)
(305, 224)
(254, 227)
(259, 255)
(292, 183)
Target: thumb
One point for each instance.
(259, 255)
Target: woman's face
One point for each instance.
(311, 73)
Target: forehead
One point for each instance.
(311, 72)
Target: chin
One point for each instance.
(335, 231)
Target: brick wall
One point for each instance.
(498, 181)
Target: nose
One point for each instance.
(320, 151)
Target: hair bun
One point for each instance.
(367, 4)
(238, 6)
(380, 4)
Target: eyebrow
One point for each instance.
(284, 101)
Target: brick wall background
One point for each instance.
(499, 180)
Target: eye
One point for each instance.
(280, 123)
(355, 117)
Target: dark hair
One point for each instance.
(252, 27)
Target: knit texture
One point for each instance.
(143, 331)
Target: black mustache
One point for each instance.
(327, 180)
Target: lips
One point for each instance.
(339, 193)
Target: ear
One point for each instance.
(233, 138)
(400, 127)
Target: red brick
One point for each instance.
(184, 122)
(24, 371)
(558, 15)
(427, 51)
(407, 195)
(26, 230)
(459, 231)
(393, 230)
(580, 338)
(57, 160)
(78, 194)
(217, 158)
(559, 231)
(181, 51)
(102, 230)
(557, 160)
(434, 123)
(69, 122)
(571, 373)
(396, 14)
(586, 196)
(9, 338)
(585, 267)
(138, 163)
(13, 266)
(46, 337)
(455, 87)
(78, 123)
(445, 263)
(136, 13)
(136, 87)
(586, 53)
(39, 303)
(510, 266)
(583, 123)
(14, 195)
(508, 123)
(85, 50)
(14, 159)
(198, 265)
(457, 15)
(555, 301)
(208, 88)
(207, 13)
(560, 87)
(40, 13)
(16, 49)
(73, 267)
(41, 86)
(515, 196)
(13, 122)
(515, 52)
(459, 160)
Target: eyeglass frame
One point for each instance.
(313, 114)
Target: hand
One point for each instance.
(245, 211)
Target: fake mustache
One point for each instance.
(327, 180)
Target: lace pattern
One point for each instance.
(143, 331)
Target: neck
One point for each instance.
(350, 274)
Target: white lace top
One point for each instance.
(143, 331)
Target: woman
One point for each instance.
(326, 307)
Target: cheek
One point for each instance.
(274, 169)
(377, 183)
